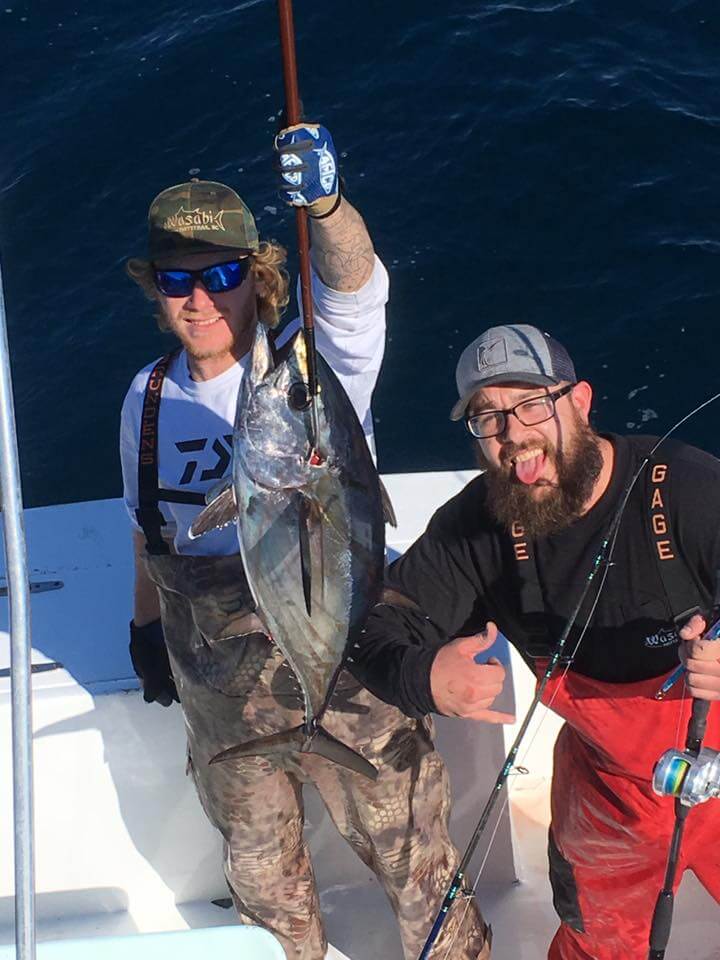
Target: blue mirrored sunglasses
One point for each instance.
(217, 278)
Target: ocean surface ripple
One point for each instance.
(554, 162)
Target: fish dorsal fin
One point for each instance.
(310, 517)
(219, 513)
(388, 509)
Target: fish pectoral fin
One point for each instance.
(388, 509)
(291, 743)
(219, 513)
(304, 520)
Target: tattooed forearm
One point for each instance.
(342, 251)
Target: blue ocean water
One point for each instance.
(555, 162)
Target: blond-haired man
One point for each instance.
(213, 280)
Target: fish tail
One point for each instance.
(325, 745)
(299, 741)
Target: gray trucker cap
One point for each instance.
(511, 353)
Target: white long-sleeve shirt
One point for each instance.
(196, 417)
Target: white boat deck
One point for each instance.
(121, 844)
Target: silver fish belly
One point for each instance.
(311, 531)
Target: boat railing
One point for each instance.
(20, 655)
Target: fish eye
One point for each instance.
(299, 396)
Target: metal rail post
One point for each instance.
(20, 656)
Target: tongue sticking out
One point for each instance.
(528, 471)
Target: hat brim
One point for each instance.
(165, 245)
(533, 379)
(165, 260)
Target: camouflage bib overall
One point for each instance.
(234, 688)
(234, 685)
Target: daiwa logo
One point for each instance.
(187, 220)
(666, 637)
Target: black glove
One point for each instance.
(150, 661)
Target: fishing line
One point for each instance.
(470, 896)
(680, 713)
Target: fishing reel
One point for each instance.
(689, 778)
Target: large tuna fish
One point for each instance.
(310, 520)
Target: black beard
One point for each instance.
(510, 501)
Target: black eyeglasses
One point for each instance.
(217, 278)
(534, 410)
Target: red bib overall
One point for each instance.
(610, 833)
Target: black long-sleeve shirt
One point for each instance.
(466, 569)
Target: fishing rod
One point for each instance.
(602, 559)
(691, 776)
(20, 656)
(293, 116)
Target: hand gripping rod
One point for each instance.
(663, 913)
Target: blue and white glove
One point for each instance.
(308, 167)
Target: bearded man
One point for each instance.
(513, 550)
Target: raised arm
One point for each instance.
(342, 252)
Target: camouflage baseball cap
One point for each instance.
(199, 217)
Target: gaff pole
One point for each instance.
(292, 113)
